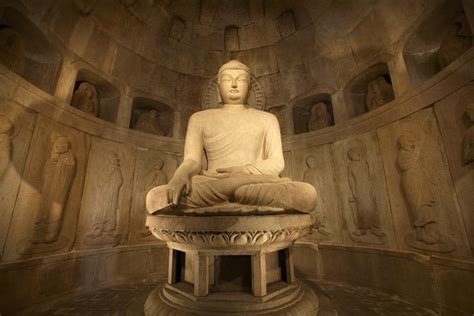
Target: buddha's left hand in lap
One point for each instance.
(228, 172)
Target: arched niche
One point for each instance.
(152, 117)
(95, 96)
(369, 90)
(313, 113)
(25, 50)
(441, 38)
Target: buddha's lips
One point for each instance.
(234, 91)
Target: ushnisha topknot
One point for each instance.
(233, 64)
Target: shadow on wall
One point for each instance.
(437, 42)
(25, 50)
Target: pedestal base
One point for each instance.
(296, 300)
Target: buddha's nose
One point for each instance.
(234, 83)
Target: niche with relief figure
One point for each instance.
(95, 96)
(152, 117)
(313, 113)
(369, 90)
(437, 42)
(25, 50)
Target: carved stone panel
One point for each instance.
(315, 165)
(105, 210)
(47, 207)
(361, 183)
(420, 187)
(455, 115)
(16, 130)
(152, 169)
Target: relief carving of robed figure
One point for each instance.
(58, 174)
(244, 159)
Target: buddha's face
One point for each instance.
(234, 86)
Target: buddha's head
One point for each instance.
(61, 145)
(234, 81)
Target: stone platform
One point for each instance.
(231, 265)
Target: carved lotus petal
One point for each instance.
(262, 238)
(220, 240)
(241, 239)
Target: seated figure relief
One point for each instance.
(244, 159)
(12, 49)
(379, 92)
(148, 122)
(85, 99)
(319, 117)
(456, 40)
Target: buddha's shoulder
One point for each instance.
(202, 115)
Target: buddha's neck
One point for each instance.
(233, 107)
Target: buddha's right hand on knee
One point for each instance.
(177, 186)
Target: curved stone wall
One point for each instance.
(108, 167)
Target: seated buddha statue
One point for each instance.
(244, 155)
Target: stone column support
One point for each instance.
(259, 274)
(201, 274)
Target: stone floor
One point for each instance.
(335, 300)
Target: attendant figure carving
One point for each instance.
(85, 99)
(362, 198)
(420, 196)
(379, 92)
(244, 158)
(468, 140)
(155, 177)
(319, 117)
(58, 174)
(108, 185)
(6, 131)
(148, 122)
(312, 177)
